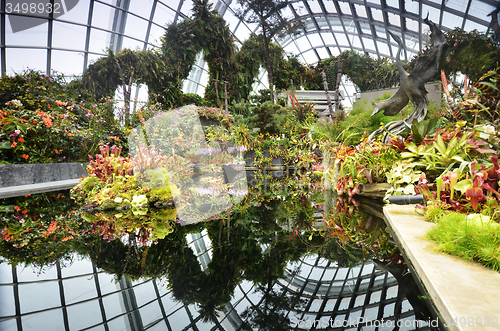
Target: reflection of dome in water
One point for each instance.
(80, 297)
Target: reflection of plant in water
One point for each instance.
(39, 229)
(271, 312)
(359, 231)
(116, 203)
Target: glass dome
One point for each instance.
(78, 32)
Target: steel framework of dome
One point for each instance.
(84, 29)
(83, 297)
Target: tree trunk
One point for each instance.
(268, 63)
(337, 101)
(325, 85)
(126, 92)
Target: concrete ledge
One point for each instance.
(25, 174)
(20, 190)
(458, 288)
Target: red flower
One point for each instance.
(21, 140)
(476, 195)
(26, 156)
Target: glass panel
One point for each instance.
(8, 307)
(341, 39)
(99, 41)
(231, 20)
(328, 38)
(69, 36)
(299, 9)
(141, 8)
(242, 33)
(29, 273)
(80, 266)
(459, 5)
(178, 319)
(361, 11)
(163, 15)
(344, 8)
(291, 48)
(315, 8)
(79, 289)
(36, 36)
(302, 44)
(144, 293)
(136, 27)
(108, 283)
(412, 6)
(69, 63)
(451, 21)
(93, 58)
(355, 41)
(433, 13)
(412, 25)
(151, 313)
(187, 7)
(84, 315)
(469, 26)
(383, 48)
(38, 296)
(369, 44)
(132, 44)
(5, 273)
(78, 14)
(310, 56)
(48, 320)
(322, 52)
(394, 19)
(335, 51)
(480, 9)
(103, 16)
(315, 40)
(155, 34)
(330, 7)
(377, 15)
(393, 3)
(113, 305)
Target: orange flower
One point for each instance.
(57, 152)
(17, 208)
(67, 238)
(21, 140)
(14, 144)
(35, 122)
(27, 195)
(70, 134)
(24, 211)
(48, 106)
(26, 156)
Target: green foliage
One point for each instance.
(41, 123)
(470, 53)
(472, 237)
(422, 129)
(364, 122)
(362, 70)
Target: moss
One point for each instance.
(468, 238)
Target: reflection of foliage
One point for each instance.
(39, 229)
(270, 314)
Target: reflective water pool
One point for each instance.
(281, 259)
